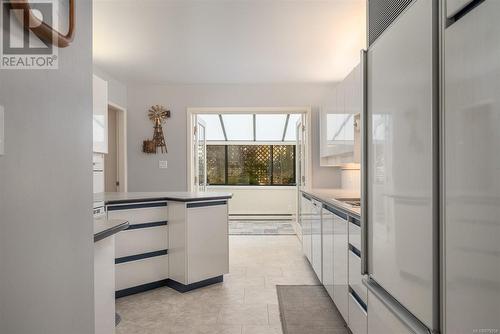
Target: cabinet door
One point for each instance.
(340, 265)
(316, 239)
(207, 243)
(100, 115)
(327, 218)
(306, 227)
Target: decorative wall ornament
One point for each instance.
(158, 115)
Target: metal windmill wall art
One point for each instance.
(158, 115)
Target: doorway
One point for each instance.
(115, 161)
(260, 155)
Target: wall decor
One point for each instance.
(41, 29)
(158, 115)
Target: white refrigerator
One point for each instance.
(402, 197)
(471, 183)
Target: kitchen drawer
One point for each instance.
(140, 241)
(355, 274)
(135, 273)
(358, 321)
(355, 235)
(139, 213)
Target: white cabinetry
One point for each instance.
(306, 220)
(198, 241)
(327, 238)
(100, 115)
(340, 264)
(339, 124)
(317, 261)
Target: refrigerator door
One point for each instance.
(472, 172)
(401, 102)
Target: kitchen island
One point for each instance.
(175, 239)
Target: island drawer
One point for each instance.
(144, 271)
(134, 241)
(139, 213)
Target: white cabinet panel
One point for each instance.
(339, 136)
(472, 169)
(358, 322)
(138, 215)
(134, 273)
(316, 239)
(340, 266)
(327, 242)
(100, 115)
(104, 285)
(207, 242)
(306, 216)
(355, 276)
(355, 235)
(401, 107)
(140, 241)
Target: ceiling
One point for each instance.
(228, 41)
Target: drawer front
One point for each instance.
(135, 273)
(355, 235)
(358, 322)
(355, 276)
(139, 213)
(140, 241)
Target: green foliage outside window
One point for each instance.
(262, 165)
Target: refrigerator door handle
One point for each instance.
(364, 164)
(408, 319)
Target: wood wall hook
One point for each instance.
(41, 29)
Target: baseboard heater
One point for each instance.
(262, 217)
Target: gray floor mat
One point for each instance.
(308, 309)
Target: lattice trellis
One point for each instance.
(249, 164)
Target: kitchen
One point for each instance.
(390, 204)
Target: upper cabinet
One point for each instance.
(100, 115)
(340, 140)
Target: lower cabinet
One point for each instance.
(340, 264)
(327, 241)
(357, 315)
(305, 218)
(317, 248)
(332, 244)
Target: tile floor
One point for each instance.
(260, 227)
(246, 303)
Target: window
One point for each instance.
(260, 165)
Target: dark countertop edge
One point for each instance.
(340, 206)
(111, 231)
(171, 199)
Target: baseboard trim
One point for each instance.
(185, 288)
(170, 283)
(140, 288)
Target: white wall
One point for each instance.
(144, 174)
(117, 91)
(46, 230)
(260, 200)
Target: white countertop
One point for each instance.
(172, 196)
(330, 196)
